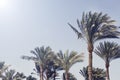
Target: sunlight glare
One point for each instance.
(3, 3)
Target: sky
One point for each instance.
(26, 24)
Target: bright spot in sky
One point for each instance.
(3, 3)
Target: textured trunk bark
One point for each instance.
(90, 50)
(54, 74)
(54, 77)
(66, 75)
(107, 71)
(41, 72)
(47, 75)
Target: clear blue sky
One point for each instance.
(26, 24)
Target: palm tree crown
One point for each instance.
(12, 75)
(67, 60)
(96, 26)
(41, 56)
(108, 51)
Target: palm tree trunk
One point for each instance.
(90, 50)
(41, 72)
(107, 71)
(54, 73)
(66, 75)
(47, 75)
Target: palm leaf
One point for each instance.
(68, 59)
(76, 31)
(97, 73)
(96, 26)
(108, 51)
(1, 64)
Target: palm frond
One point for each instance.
(41, 54)
(97, 73)
(77, 57)
(1, 64)
(76, 31)
(30, 58)
(33, 52)
(9, 74)
(84, 72)
(68, 59)
(108, 51)
(70, 75)
(107, 31)
(60, 54)
(96, 26)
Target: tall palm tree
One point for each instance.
(94, 27)
(108, 51)
(98, 74)
(41, 55)
(67, 60)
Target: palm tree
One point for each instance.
(41, 55)
(12, 75)
(94, 27)
(108, 51)
(67, 60)
(97, 73)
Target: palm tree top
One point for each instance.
(68, 59)
(95, 26)
(13, 75)
(108, 51)
(41, 54)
